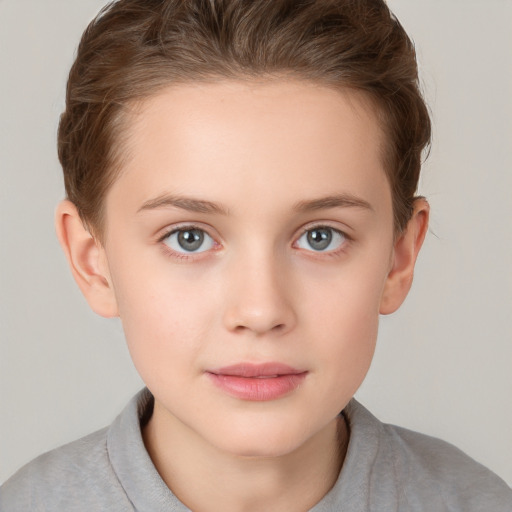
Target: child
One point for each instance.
(240, 181)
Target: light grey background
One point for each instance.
(444, 362)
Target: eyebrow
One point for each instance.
(334, 201)
(202, 206)
(185, 203)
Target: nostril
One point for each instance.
(260, 328)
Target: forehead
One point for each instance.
(231, 138)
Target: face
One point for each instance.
(248, 241)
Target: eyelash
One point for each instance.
(332, 253)
(192, 256)
(181, 255)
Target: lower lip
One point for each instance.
(258, 389)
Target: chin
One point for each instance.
(264, 440)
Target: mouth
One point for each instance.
(257, 382)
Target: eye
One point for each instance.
(321, 239)
(187, 240)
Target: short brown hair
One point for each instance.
(134, 48)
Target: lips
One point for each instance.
(257, 382)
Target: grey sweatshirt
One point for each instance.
(386, 469)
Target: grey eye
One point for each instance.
(189, 240)
(321, 239)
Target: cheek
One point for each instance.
(351, 337)
(165, 317)
(346, 355)
(345, 321)
(347, 297)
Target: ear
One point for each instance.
(87, 260)
(405, 251)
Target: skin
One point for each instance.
(257, 291)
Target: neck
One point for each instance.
(206, 479)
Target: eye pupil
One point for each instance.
(320, 238)
(191, 239)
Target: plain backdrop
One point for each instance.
(443, 365)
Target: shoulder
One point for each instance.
(428, 465)
(76, 476)
(426, 470)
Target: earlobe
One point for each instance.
(405, 252)
(87, 260)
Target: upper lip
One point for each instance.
(256, 370)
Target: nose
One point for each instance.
(259, 297)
